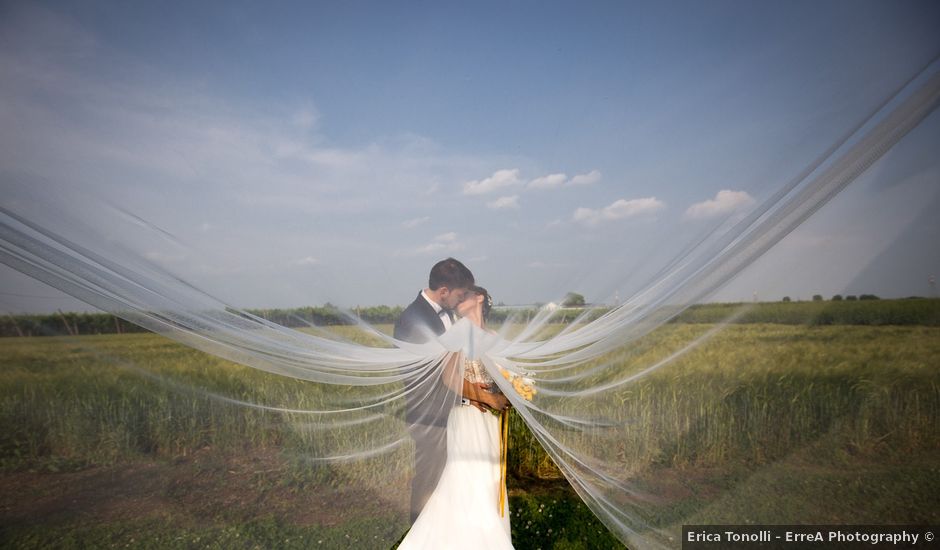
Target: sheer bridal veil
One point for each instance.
(589, 377)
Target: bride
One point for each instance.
(468, 508)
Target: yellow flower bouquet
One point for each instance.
(525, 387)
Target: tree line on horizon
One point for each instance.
(865, 309)
(849, 298)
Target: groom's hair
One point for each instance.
(450, 273)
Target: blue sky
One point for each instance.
(316, 152)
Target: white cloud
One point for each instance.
(445, 242)
(336, 158)
(415, 222)
(499, 179)
(553, 181)
(504, 202)
(306, 117)
(305, 261)
(618, 210)
(593, 176)
(548, 182)
(429, 248)
(725, 201)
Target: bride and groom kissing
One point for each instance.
(457, 488)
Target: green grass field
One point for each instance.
(104, 442)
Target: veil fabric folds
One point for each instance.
(585, 375)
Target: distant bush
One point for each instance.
(56, 324)
(104, 323)
(573, 299)
(848, 312)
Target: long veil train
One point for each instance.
(584, 375)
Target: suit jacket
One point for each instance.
(425, 405)
(417, 322)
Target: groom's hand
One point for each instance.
(498, 401)
(481, 398)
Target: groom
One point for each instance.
(432, 312)
(428, 316)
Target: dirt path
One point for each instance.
(195, 490)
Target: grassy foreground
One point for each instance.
(100, 447)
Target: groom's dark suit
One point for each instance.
(427, 404)
(418, 321)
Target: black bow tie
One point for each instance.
(446, 313)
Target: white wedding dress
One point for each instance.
(463, 510)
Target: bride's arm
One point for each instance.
(453, 378)
(477, 392)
